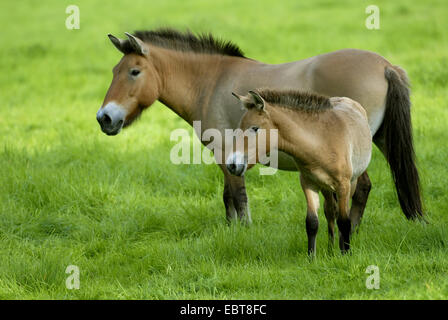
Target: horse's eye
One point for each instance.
(254, 129)
(135, 72)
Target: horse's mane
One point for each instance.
(186, 41)
(293, 99)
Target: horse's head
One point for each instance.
(134, 87)
(253, 141)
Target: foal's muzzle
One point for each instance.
(111, 118)
(236, 164)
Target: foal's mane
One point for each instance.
(298, 100)
(186, 41)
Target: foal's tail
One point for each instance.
(399, 148)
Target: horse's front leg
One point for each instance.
(312, 221)
(330, 209)
(344, 191)
(228, 201)
(235, 198)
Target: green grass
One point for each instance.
(140, 227)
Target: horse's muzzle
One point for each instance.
(111, 118)
(236, 164)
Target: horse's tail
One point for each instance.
(399, 148)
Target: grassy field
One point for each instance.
(139, 227)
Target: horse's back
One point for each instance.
(353, 73)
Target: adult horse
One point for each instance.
(195, 75)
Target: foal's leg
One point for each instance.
(343, 220)
(312, 221)
(359, 200)
(330, 210)
(235, 198)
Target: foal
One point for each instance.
(329, 139)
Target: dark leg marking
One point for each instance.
(312, 226)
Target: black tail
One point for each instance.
(399, 148)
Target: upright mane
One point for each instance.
(293, 99)
(186, 41)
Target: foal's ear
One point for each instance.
(245, 101)
(258, 101)
(252, 100)
(138, 45)
(118, 43)
(236, 95)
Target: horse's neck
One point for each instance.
(188, 80)
(292, 132)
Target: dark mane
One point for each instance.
(293, 99)
(186, 41)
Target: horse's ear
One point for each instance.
(252, 100)
(258, 101)
(138, 45)
(118, 43)
(236, 95)
(245, 101)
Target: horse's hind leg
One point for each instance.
(312, 220)
(330, 210)
(359, 200)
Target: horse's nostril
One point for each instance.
(107, 120)
(232, 167)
